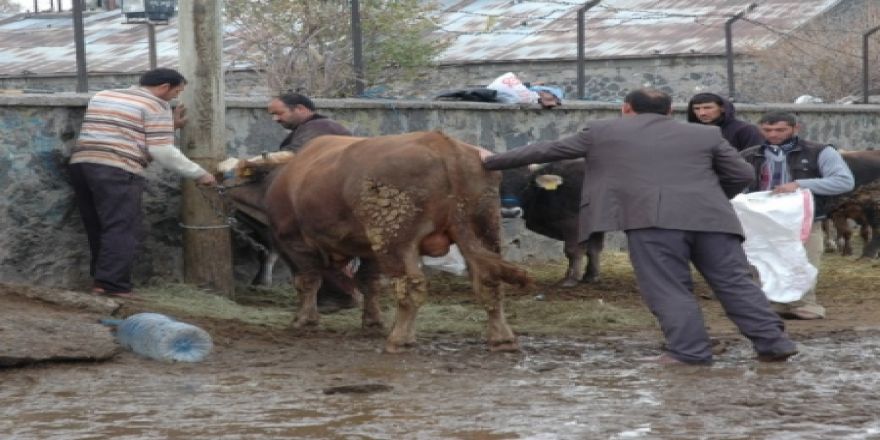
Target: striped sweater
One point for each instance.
(128, 129)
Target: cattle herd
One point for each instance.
(389, 200)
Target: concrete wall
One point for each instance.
(43, 240)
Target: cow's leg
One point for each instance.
(488, 290)
(574, 253)
(306, 280)
(872, 220)
(595, 244)
(369, 280)
(268, 260)
(478, 236)
(830, 244)
(410, 291)
(307, 283)
(844, 233)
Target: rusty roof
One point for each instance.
(478, 30)
(481, 30)
(43, 44)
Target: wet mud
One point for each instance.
(452, 388)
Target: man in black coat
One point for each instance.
(712, 109)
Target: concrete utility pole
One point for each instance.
(728, 45)
(207, 252)
(582, 33)
(866, 72)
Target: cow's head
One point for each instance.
(517, 185)
(253, 169)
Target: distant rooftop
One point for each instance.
(43, 44)
(479, 30)
(514, 30)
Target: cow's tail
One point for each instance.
(494, 268)
(475, 211)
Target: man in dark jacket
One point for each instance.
(712, 109)
(667, 184)
(786, 162)
(297, 113)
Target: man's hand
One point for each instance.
(179, 114)
(484, 153)
(789, 187)
(207, 179)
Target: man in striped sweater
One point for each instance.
(122, 132)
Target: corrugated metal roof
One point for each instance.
(43, 44)
(482, 30)
(479, 30)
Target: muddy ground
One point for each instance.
(577, 377)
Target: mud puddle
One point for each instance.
(451, 388)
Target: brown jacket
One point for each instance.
(647, 171)
(318, 125)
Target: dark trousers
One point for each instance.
(661, 259)
(109, 201)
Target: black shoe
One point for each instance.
(781, 356)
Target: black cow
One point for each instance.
(554, 212)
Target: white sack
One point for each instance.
(775, 227)
(453, 262)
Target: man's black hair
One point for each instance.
(649, 101)
(292, 100)
(162, 75)
(703, 98)
(774, 117)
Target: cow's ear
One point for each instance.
(548, 181)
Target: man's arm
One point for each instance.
(541, 152)
(159, 129)
(836, 178)
(734, 173)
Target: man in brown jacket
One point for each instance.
(667, 184)
(297, 113)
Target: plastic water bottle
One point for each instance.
(159, 337)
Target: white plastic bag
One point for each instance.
(511, 90)
(775, 227)
(453, 262)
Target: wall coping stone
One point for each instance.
(82, 99)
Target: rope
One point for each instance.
(228, 216)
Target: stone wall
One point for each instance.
(44, 243)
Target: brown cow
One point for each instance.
(389, 200)
(865, 166)
(842, 239)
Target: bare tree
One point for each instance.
(7, 7)
(306, 44)
(822, 58)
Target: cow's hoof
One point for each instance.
(392, 348)
(373, 328)
(568, 282)
(304, 324)
(590, 279)
(506, 346)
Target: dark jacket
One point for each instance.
(802, 163)
(647, 171)
(318, 125)
(740, 134)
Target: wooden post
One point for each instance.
(207, 253)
